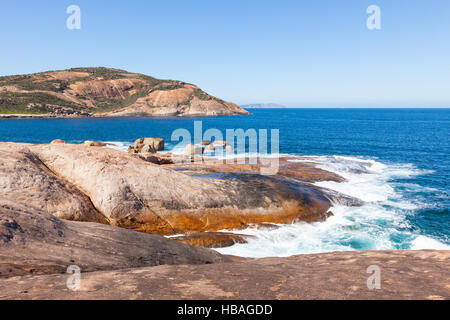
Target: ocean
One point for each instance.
(395, 160)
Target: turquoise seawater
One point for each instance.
(395, 160)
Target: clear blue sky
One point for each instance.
(298, 53)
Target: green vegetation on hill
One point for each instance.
(15, 102)
(44, 81)
(27, 82)
(105, 73)
(201, 95)
(40, 92)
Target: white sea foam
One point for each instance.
(380, 223)
(118, 145)
(423, 242)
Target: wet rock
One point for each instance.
(212, 239)
(306, 171)
(56, 141)
(146, 144)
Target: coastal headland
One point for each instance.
(104, 92)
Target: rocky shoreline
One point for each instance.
(83, 205)
(32, 116)
(85, 116)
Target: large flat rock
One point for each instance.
(339, 275)
(35, 242)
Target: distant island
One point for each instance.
(263, 106)
(87, 92)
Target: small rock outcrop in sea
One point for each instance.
(56, 141)
(147, 145)
(212, 239)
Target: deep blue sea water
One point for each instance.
(405, 154)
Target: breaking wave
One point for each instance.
(380, 223)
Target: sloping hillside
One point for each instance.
(106, 92)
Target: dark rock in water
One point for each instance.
(212, 239)
(33, 241)
(56, 141)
